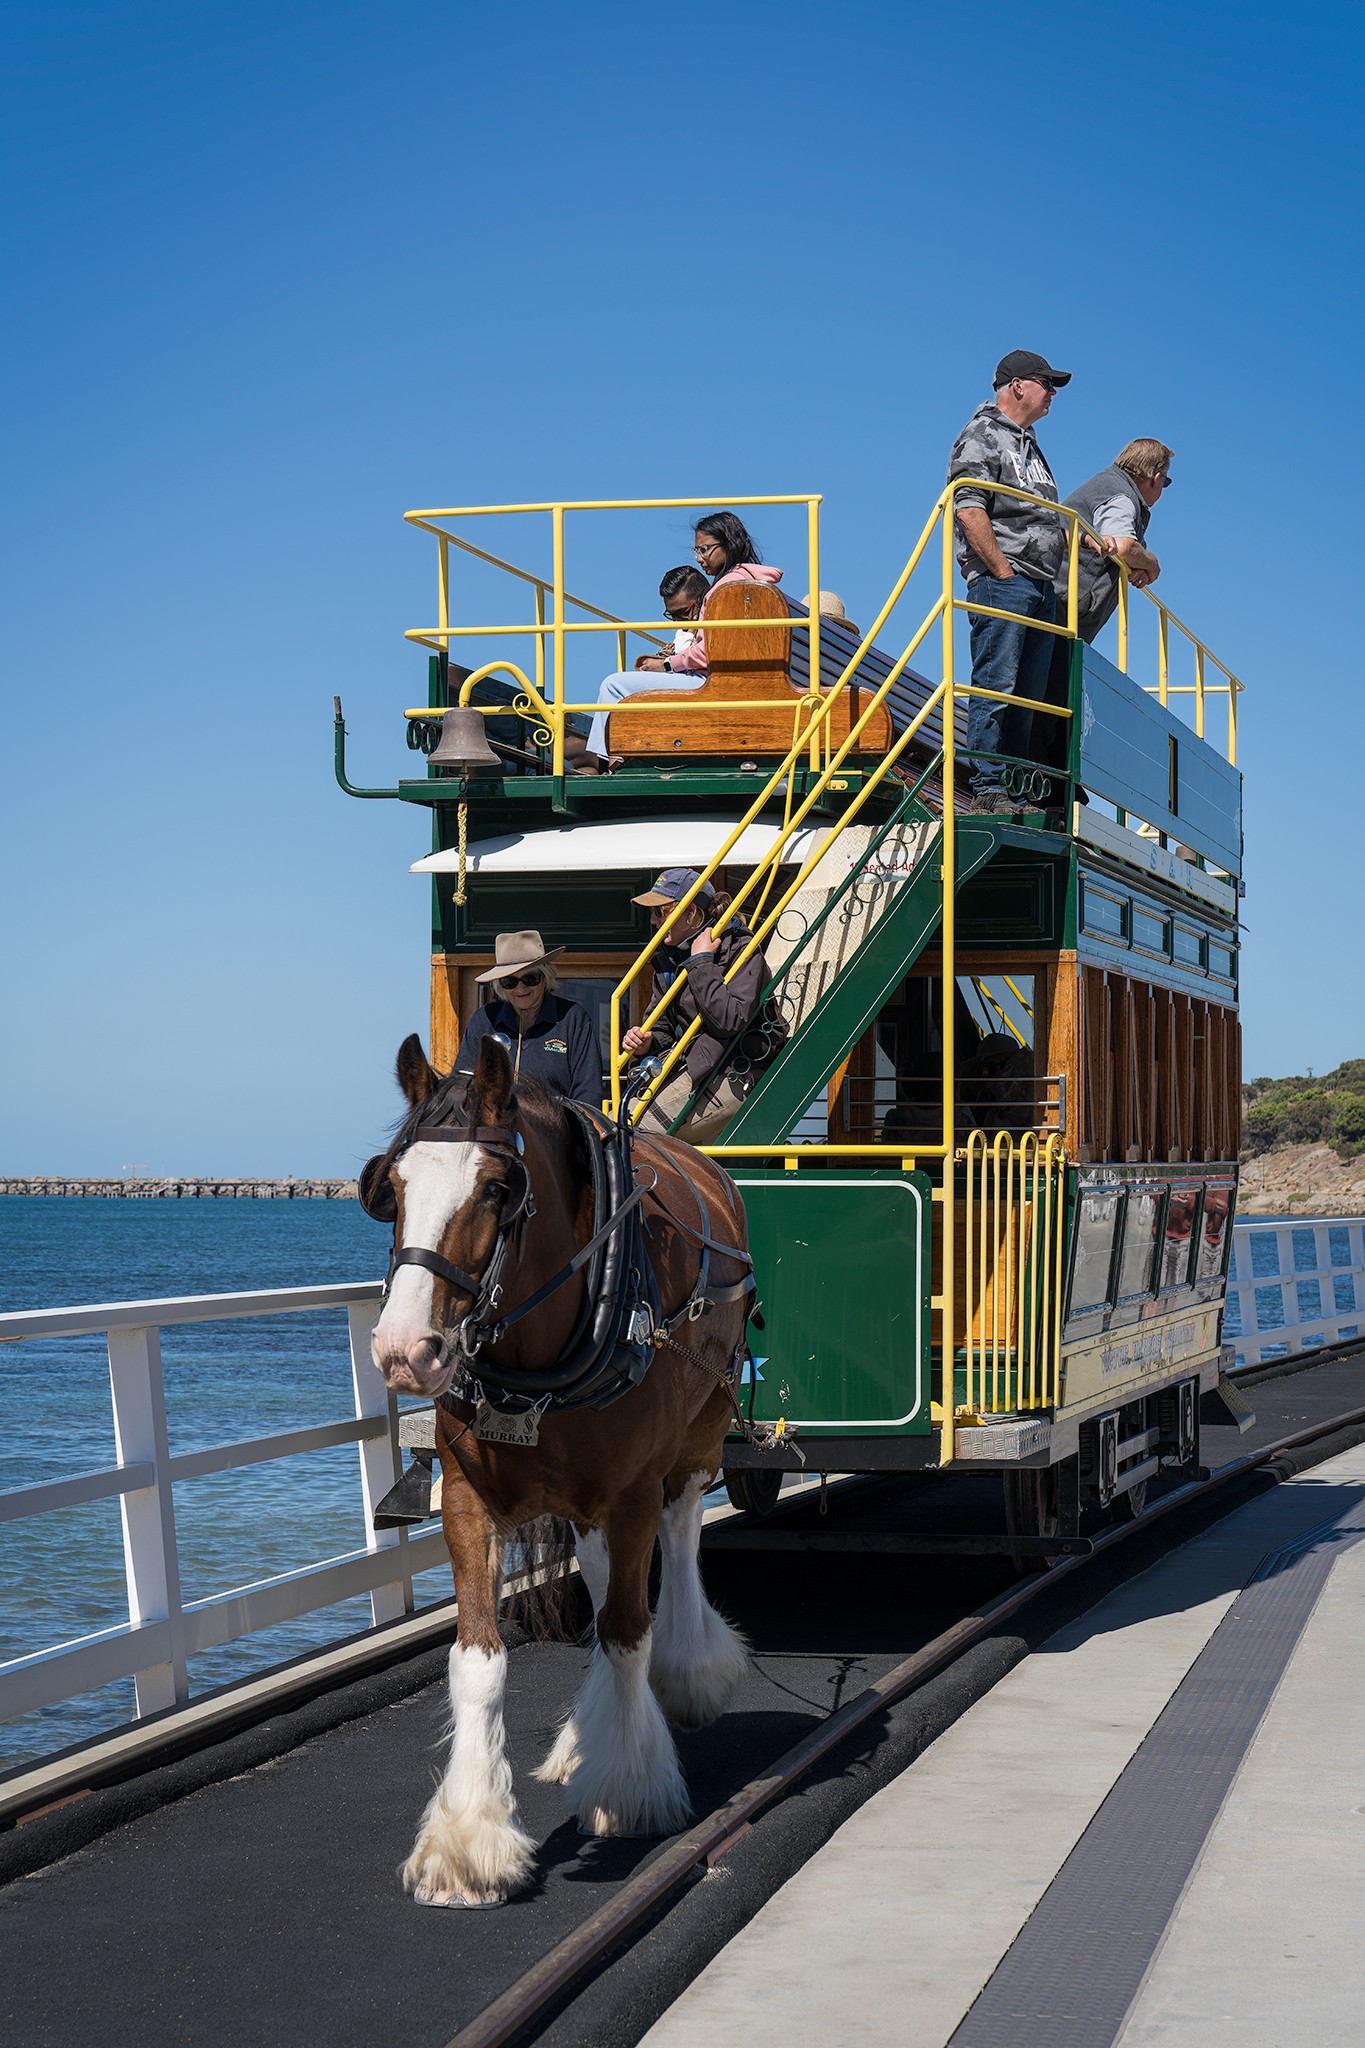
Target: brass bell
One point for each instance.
(464, 743)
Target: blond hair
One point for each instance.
(1144, 458)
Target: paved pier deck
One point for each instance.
(249, 1894)
(1151, 1830)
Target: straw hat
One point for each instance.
(831, 607)
(514, 952)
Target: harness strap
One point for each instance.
(579, 1260)
(467, 1134)
(418, 1255)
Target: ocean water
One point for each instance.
(62, 1573)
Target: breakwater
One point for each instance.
(211, 1189)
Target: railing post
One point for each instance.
(150, 1560)
(948, 874)
(557, 552)
(380, 1463)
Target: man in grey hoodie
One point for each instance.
(1010, 553)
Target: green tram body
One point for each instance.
(1086, 1323)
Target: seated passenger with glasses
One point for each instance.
(547, 1035)
(724, 554)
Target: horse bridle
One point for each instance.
(481, 1325)
(379, 1200)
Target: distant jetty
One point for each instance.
(203, 1188)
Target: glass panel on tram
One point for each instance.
(1213, 1236)
(593, 991)
(892, 1087)
(1096, 1217)
(1177, 1245)
(1139, 1241)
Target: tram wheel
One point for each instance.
(1032, 1509)
(1127, 1506)
(753, 1493)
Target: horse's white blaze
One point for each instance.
(437, 1182)
(471, 1845)
(627, 1781)
(594, 1564)
(699, 1661)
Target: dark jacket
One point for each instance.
(725, 1007)
(560, 1047)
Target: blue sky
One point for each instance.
(275, 274)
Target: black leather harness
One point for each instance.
(619, 1325)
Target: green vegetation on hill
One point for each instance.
(1307, 1109)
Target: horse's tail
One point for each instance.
(545, 1602)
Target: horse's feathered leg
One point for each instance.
(626, 1779)
(698, 1660)
(594, 1569)
(471, 1848)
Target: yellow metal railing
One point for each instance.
(1024, 1176)
(1013, 1212)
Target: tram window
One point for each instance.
(1101, 913)
(1220, 961)
(1188, 946)
(593, 991)
(1095, 1223)
(1139, 1242)
(1177, 1244)
(1152, 934)
(1213, 1237)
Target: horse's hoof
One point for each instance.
(481, 1905)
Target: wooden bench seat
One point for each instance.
(773, 666)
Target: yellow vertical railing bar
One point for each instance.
(1005, 1294)
(813, 589)
(968, 1276)
(1163, 655)
(949, 1026)
(1123, 624)
(1199, 689)
(1028, 1268)
(976, 1307)
(540, 638)
(1044, 1272)
(557, 570)
(1058, 1269)
(1073, 579)
(1233, 691)
(443, 585)
(621, 652)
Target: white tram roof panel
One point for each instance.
(618, 847)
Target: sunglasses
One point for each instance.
(688, 612)
(511, 981)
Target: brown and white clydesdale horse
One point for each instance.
(622, 1475)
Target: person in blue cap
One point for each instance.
(739, 1034)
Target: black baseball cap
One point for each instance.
(1022, 362)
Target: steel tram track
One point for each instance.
(641, 1897)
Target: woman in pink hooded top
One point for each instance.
(725, 553)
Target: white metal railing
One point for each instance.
(162, 1630)
(1294, 1283)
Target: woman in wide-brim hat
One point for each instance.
(547, 1035)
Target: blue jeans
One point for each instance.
(1009, 658)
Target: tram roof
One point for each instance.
(619, 846)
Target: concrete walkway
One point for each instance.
(894, 1931)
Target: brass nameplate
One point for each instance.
(491, 1426)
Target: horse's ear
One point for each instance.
(415, 1077)
(492, 1080)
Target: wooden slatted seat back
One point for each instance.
(753, 663)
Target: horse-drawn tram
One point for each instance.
(983, 1101)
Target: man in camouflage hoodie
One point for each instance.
(1010, 553)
